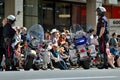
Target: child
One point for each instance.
(17, 54)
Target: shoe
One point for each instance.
(103, 67)
(7, 68)
(15, 69)
(112, 67)
(43, 68)
(50, 66)
(1, 68)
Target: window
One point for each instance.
(62, 15)
(48, 15)
(30, 13)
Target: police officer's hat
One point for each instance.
(11, 18)
(101, 10)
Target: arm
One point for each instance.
(102, 30)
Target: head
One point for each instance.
(23, 30)
(61, 50)
(101, 11)
(18, 45)
(114, 34)
(116, 47)
(4, 21)
(11, 19)
(91, 30)
(65, 45)
(54, 47)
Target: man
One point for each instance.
(102, 33)
(8, 34)
(2, 50)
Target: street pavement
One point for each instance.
(74, 74)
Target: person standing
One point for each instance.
(103, 35)
(2, 50)
(8, 34)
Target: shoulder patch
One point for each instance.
(103, 21)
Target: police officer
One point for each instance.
(2, 50)
(102, 33)
(8, 34)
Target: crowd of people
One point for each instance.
(13, 40)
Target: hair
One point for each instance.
(113, 33)
(11, 21)
(95, 35)
(17, 45)
(91, 30)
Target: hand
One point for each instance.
(99, 39)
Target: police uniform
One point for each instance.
(2, 49)
(8, 35)
(103, 22)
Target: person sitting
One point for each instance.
(57, 60)
(62, 55)
(17, 55)
(110, 57)
(113, 41)
(115, 52)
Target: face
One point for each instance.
(4, 22)
(54, 48)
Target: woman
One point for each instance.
(113, 41)
(57, 60)
(17, 54)
(110, 57)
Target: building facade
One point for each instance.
(59, 14)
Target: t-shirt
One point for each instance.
(112, 42)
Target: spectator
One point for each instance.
(57, 61)
(114, 50)
(62, 55)
(54, 36)
(17, 37)
(118, 39)
(90, 36)
(113, 41)
(68, 37)
(17, 55)
(110, 57)
(23, 33)
(62, 39)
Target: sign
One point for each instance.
(114, 25)
(111, 1)
(114, 22)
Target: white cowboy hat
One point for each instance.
(53, 31)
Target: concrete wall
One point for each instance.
(19, 8)
(91, 13)
(12, 7)
(9, 7)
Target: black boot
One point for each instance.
(103, 66)
(1, 68)
(8, 68)
(50, 66)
